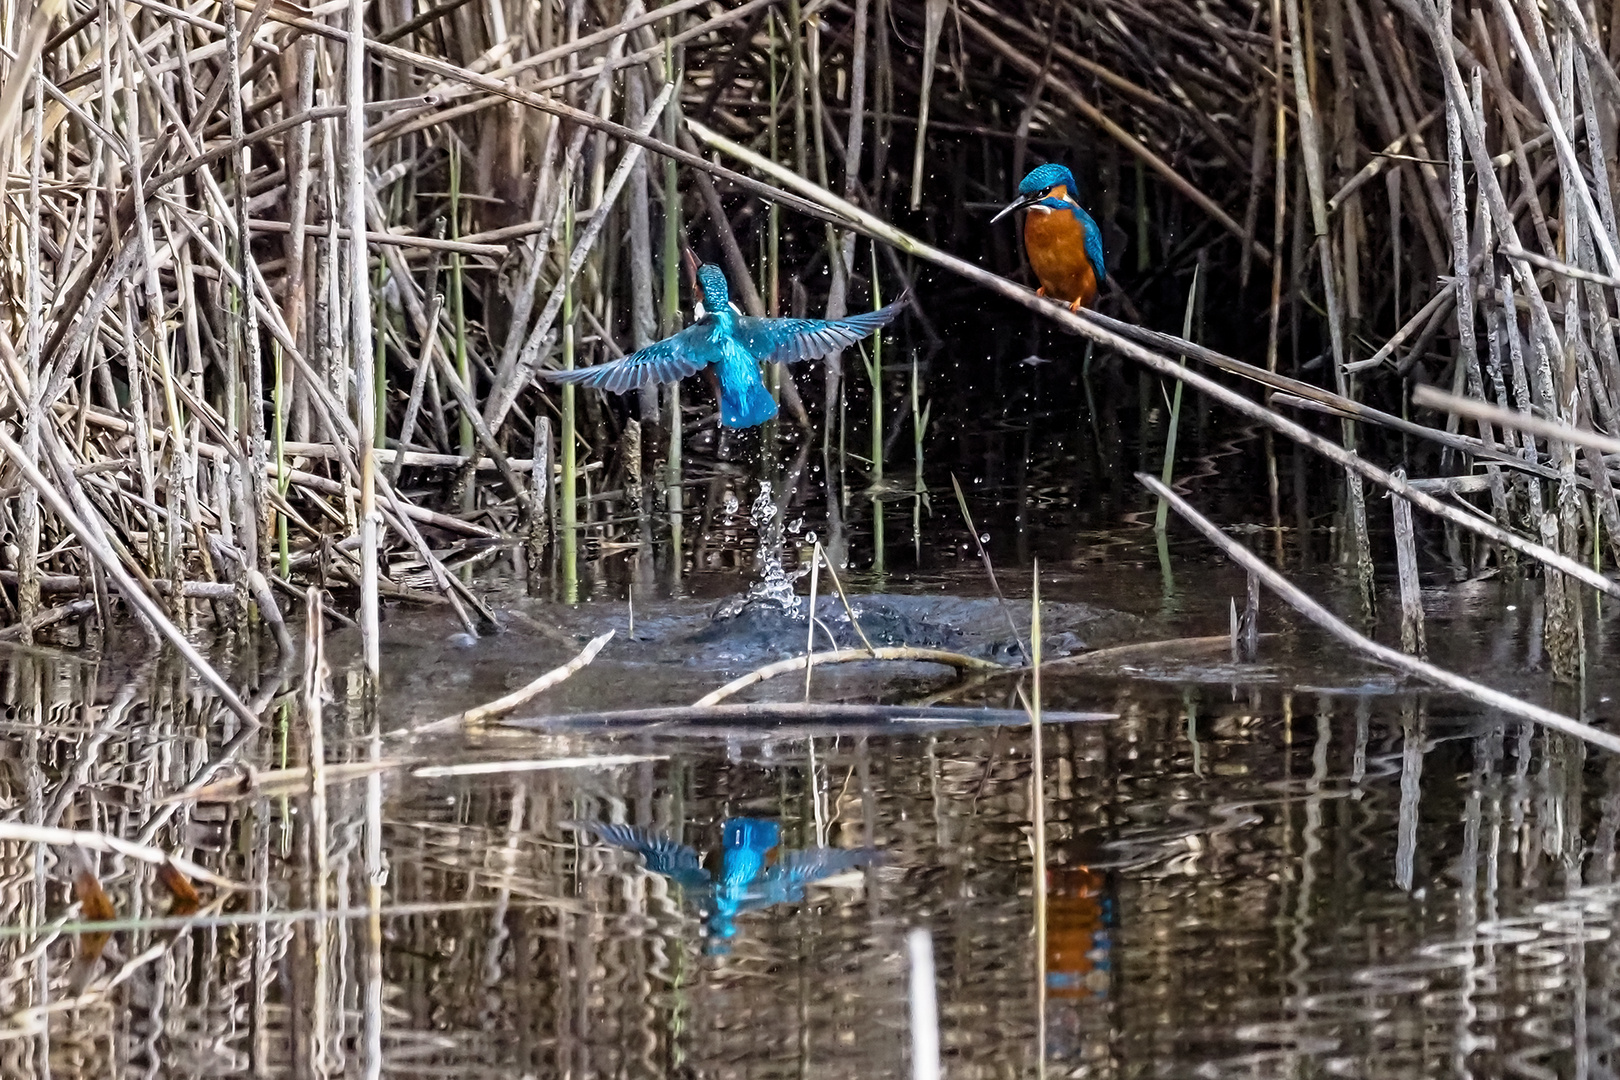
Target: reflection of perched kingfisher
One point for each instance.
(1063, 242)
(736, 345)
(747, 882)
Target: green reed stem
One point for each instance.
(1163, 516)
(874, 372)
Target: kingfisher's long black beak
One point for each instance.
(1017, 204)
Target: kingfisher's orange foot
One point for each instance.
(1079, 302)
(1041, 291)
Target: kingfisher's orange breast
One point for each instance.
(1056, 245)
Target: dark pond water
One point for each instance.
(1300, 866)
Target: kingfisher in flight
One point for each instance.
(1063, 242)
(748, 878)
(735, 345)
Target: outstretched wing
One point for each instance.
(670, 360)
(784, 882)
(799, 868)
(663, 855)
(783, 341)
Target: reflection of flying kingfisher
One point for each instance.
(734, 345)
(1063, 242)
(748, 878)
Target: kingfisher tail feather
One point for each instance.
(745, 404)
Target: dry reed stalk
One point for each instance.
(1296, 598)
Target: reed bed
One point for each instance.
(280, 279)
(275, 304)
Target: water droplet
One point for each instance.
(730, 506)
(810, 537)
(984, 538)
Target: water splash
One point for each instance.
(775, 585)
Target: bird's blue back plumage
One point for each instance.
(744, 401)
(746, 840)
(1094, 244)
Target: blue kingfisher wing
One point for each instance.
(798, 868)
(663, 855)
(1094, 244)
(783, 341)
(670, 360)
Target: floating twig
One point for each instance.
(959, 661)
(507, 703)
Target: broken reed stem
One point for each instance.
(810, 617)
(95, 544)
(1393, 658)
(1412, 637)
(843, 598)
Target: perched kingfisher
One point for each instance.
(748, 880)
(735, 345)
(1063, 242)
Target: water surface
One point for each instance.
(1300, 866)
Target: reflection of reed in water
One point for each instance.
(1259, 924)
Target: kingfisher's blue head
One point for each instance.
(1051, 186)
(716, 294)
